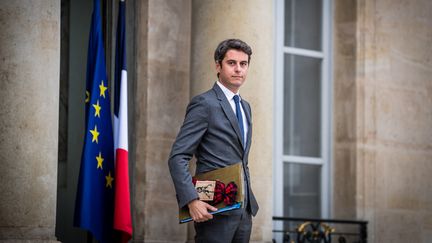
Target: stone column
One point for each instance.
(344, 103)
(29, 98)
(382, 117)
(162, 94)
(253, 22)
(394, 134)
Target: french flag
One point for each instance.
(122, 212)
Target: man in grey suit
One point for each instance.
(217, 130)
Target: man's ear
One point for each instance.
(218, 67)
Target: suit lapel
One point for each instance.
(229, 113)
(247, 111)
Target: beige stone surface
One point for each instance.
(161, 208)
(163, 60)
(398, 226)
(344, 106)
(29, 74)
(253, 22)
(344, 194)
(392, 132)
(402, 185)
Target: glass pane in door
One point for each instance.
(302, 106)
(303, 21)
(301, 190)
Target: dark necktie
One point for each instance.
(239, 116)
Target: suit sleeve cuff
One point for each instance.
(186, 200)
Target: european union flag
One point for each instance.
(95, 194)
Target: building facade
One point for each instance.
(366, 152)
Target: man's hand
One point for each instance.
(199, 210)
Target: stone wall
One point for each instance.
(161, 96)
(29, 98)
(389, 133)
(344, 106)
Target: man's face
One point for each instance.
(233, 69)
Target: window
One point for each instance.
(302, 109)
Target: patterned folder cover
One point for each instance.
(232, 173)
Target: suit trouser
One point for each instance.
(235, 228)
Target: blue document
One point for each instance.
(220, 210)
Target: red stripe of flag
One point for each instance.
(122, 216)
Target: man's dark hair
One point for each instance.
(229, 44)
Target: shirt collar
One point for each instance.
(228, 93)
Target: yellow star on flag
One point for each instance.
(95, 134)
(109, 180)
(97, 109)
(102, 89)
(99, 161)
(87, 99)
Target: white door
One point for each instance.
(302, 101)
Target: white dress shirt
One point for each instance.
(230, 97)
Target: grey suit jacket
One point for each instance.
(210, 131)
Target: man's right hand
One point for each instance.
(199, 210)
